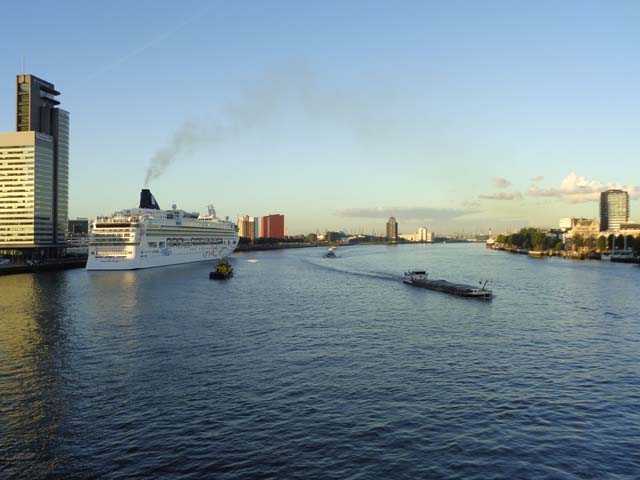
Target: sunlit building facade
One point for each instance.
(272, 226)
(34, 171)
(249, 227)
(614, 209)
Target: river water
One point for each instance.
(306, 367)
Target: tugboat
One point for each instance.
(223, 270)
(418, 278)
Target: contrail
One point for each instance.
(151, 43)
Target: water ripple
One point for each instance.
(303, 367)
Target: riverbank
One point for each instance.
(65, 263)
(585, 254)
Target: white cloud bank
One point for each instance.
(501, 196)
(406, 213)
(500, 182)
(576, 189)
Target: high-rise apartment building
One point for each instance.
(249, 227)
(273, 226)
(424, 235)
(34, 170)
(614, 209)
(392, 229)
(243, 227)
(255, 227)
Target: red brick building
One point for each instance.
(272, 226)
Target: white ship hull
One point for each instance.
(166, 257)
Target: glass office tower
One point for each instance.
(614, 209)
(34, 170)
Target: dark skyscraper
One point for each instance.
(37, 110)
(34, 194)
(392, 230)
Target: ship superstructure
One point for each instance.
(147, 237)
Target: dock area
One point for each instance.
(58, 264)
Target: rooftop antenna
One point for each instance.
(23, 64)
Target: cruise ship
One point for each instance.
(147, 236)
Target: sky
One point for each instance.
(455, 115)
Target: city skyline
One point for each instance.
(490, 116)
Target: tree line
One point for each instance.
(535, 239)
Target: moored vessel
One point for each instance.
(147, 236)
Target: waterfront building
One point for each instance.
(409, 237)
(272, 226)
(249, 227)
(78, 231)
(421, 236)
(255, 227)
(244, 227)
(34, 172)
(424, 235)
(630, 228)
(614, 209)
(585, 227)
(565, 223)
(392, 229)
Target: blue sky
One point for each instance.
(455, 115)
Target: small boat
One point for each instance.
(623, 256)
(418, 278)
(223, 270)
(331, 253)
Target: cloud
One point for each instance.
(576, 189)
(543, 192)
(537, 178)
(500, 182)
(470, 205)
(406, 213)
(501, 196)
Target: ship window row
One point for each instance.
(126, 231)
(182, 242)
(105, 239)
(112, 253)
(112, 234)
(111, 244)
(219, 232)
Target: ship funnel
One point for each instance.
(147, 200)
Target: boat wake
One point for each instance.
(358, 273)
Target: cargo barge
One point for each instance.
(418, 278)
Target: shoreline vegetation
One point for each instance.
(537, 243)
